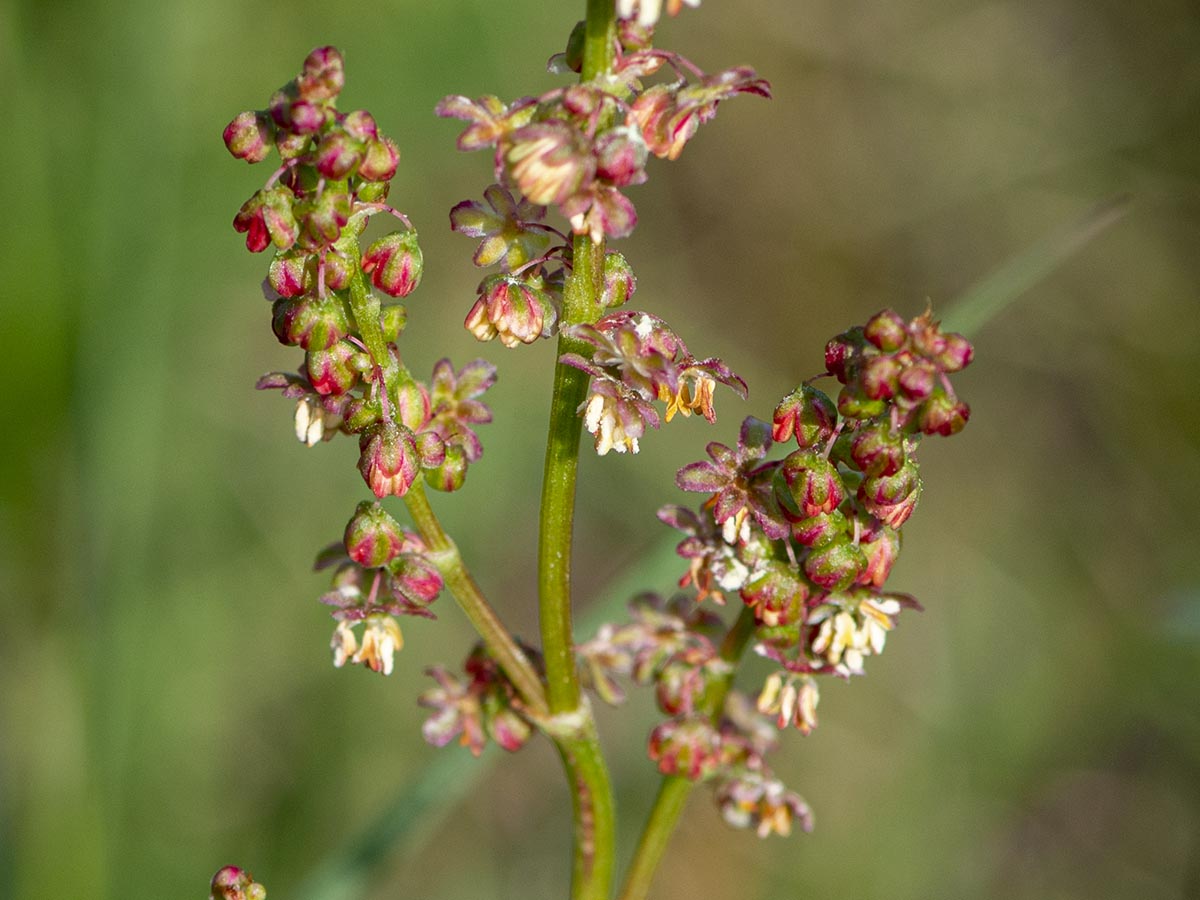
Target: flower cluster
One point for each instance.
(381, 570)
(635, 359)
(670, 644)
(234, 883)
(577, 147)
(484, 704)
(807, 541)
(335, 174)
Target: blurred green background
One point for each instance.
(166, 699)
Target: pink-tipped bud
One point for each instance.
(373, 538)
(234, 883)
(360, 125)
(813, 481)
(918, 380)
(892, 498)
(516, 311)
(806, 413)
(310, 322)
(323, 75)
(619, 281)
(394, 263)
(878, 377)
(388, 459)
(287, 275)
(267, 218)
(332, 371)
(621, 156)
(452, 473)
(881, 552)
(379, 162)
(943, 414)
(957, 355)
(249, 136)
(843, 352)
(820, 530)
(325, 218)
(338, 155)
(835, 566)
(877, 451)
(886, 330)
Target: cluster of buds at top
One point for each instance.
(577, 147)
(635, 359)
(808, 541)
(381, 570)
(335, 174)
(234, 883)
(483, 704)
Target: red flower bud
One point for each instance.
(808, 414)
(943, 414)
(338, 155)
(373, 538)
(379, 162)
(886, 330)
(394, 263)
(249, 136)
(819, 530)
(323, 75)
(689, 747)
(312, 322)
(267, 218)
(332, 371)
(813, 481)
(877, 451)
(835, 566)
(388, 459)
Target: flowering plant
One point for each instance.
(804, 536)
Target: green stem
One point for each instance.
(571, 723)
(674, 790)
(498, 640)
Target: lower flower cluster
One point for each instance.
(807, 541)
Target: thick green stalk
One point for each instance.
(498, 640)
(674, 790)
(570, 722)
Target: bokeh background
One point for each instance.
(166, 699)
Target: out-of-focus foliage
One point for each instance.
(167, 704)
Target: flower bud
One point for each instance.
(323, 75)
(360, 126)
(881, 552)
(338, 155)
(234, 883)
(289, 274)
(394, 263)
(619, 281)
(515, 310)
(808, 414)
(392, 321)
(373, 538)
(452, 473)
(776, 595)
(842, 354)
(836, 565)
(918, 380)
(853, 404)
(503, 724)
(388, 459)
(878, 377)
(325, 217)
(821, 529)
(249, 136)
(689, 747)
(621, 156)
(877, 451)
(886, 330)
(314, 323)
(267, 218)
(813, 481)
(892, 498)
(943, 414)
(332, 371)
(289, 145)
(379, 163)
